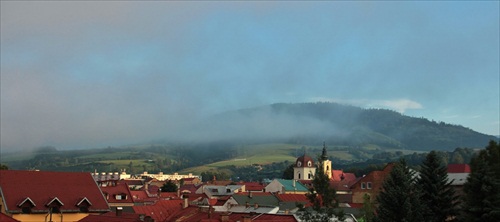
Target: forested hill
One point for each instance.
(336, 124)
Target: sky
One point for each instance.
(78, 74)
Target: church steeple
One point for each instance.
(324, 156)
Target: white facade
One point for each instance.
(164, 177)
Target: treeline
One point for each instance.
(430, 197)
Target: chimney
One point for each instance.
(247, 204)
(250, 194)
(247, 219)
(119, 211)
(293, 183)
(256, 205)
(224, 217)
(186, 203)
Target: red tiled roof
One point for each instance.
(170, 195)
(194, 214)
(252, 186)
(160, 210)
(139, 195)
(339, 175)
(299, 198)
(356, 205)
(40, 187)
(5, 218)
(191, 188)
(274, 217)
(119, 189)
(458, 168)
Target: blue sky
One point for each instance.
(90, 74)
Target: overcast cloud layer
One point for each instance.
(92, 74)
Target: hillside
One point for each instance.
(336, 124)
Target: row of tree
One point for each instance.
(429, 196)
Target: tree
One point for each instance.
(3, 167)
(367, 210)
(399, 199)
(482, 189)
(437, 194)
(322, 196)
(169, 186)
(288, 173)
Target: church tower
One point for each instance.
(304, 168)
(327, 164)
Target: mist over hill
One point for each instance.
(336, 124)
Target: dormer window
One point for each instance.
(54, 205)
(26, 205)
(121, 196)
(84, 205)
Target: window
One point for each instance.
(55, 209)
(299, 164)
(299, 176)
(26, 210)
(363, 185)
(118, 197)
(84, 209)
(369, 185)
(309, 164)
(309, 176)
(228, 190)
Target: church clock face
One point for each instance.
(299, 163)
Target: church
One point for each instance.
(305, 169)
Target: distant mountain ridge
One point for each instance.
(337, 124)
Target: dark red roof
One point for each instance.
(303, 161)
(119, 189)
(252, 186)
(295, 198)
(274, 217)
(41, 187)
(160, 210)
(458, 168)
(5, 218)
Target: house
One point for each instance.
(195, 214)
(43, 195)
(118, 195)
(252, 186)
(290, 202)
(161, 210)
(370, 184)
(282, 186)
(255, 202)
(457, 174)
(220, 190)
(192, 180)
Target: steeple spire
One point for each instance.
(324, 156)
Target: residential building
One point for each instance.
(282, 186)
(370, 184)
(50, 196)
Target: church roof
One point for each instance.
(304, 161)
